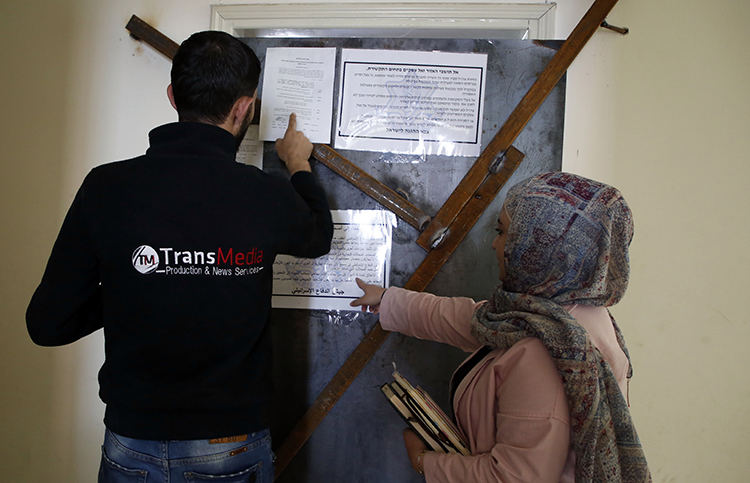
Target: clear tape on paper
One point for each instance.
(361, 248)
(341, 317)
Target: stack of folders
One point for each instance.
(424, 416)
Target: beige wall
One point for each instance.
(667, 123)
(662, 113)
(33, 87)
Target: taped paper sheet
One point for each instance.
(299, 80)
(361, 248)
(251, 150)
(411, 102)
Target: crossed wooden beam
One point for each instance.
(440, 235)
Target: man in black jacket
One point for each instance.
(171, 253)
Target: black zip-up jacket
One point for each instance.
(172, 253)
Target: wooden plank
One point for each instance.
(145, 32)
(374, 339)
(371, 186)
(517, 120)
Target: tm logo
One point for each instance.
(145, 259)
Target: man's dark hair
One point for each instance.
(210, 71)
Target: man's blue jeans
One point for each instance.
(126, 460)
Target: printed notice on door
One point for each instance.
(411, 102)
(299, 80)
(361, 248)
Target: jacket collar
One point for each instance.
(192, 138)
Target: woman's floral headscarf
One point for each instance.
(568, 243)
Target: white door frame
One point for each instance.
(539, 19)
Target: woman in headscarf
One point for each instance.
(543, 396)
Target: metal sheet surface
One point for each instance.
(360, 440)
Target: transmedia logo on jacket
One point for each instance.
(222, 262)
(145, 259)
